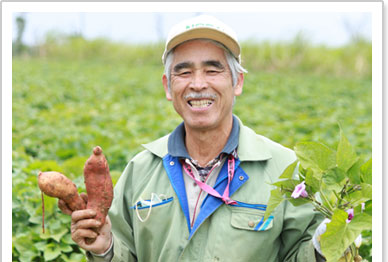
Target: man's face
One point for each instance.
(201, 85)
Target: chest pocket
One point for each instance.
(144, 208)
(252, 220)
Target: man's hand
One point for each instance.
(66, 209)
(322, 229)
(84, 226)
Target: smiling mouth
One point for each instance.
(200, 103)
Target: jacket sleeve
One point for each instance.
(106, 257)
(124, 246)
(299, 224)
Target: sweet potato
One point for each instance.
(57, 185)
(98, 183)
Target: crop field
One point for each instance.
(70, 95)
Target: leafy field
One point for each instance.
(71, 94)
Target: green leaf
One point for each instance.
(66, 239)
(58, 234)
(65, 219)
(73, 167)
(24, 244)
(35, 220)
(366, 172)
(334, 179)
(25, 247)
(339, 235)
(312, 181)
(40, 245)
(275, 200)
(74, 257)
(28, 255)
(327, 197)
(360, 196)
(297, 201)
(51, 251)
(354, 173)
(316, 156)
(346, 155)
(66, 153)
(45, 165)
(287, 185)
(65, 247)
(368, 207)
(54, 233)
(289, 171)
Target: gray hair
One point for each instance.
(234, 66)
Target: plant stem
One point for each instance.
(328, 213)
(339, 199)
(326, 200)
(322, 209)
(354, 249)
(42, 211)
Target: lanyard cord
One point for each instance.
(208, 189)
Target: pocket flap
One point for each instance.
(147, 204)
(251, 221)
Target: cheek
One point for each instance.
(178, 88)
(178, 84)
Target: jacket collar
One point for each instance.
(176, 141)
(251, 147)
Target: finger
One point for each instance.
(64, 207)
(103, 240)
(84, 197)
(106, 228)
(86, 224)
(82, 214)
(79, 236)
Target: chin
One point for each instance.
(200, 124)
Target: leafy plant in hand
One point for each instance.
(338, 184)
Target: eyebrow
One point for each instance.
(184, 65)
(214, 63)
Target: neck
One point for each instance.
(205, 145)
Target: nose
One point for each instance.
(198, 80)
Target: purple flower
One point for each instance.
(299, 191)
(350, 214)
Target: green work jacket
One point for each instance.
(221, 232)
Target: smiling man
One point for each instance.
(200, 193)
(202, 92)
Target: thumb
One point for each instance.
(84, 197)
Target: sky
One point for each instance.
(328, 28)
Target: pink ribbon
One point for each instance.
(225, 196)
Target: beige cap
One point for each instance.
(203, 26)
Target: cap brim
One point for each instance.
(207, 33)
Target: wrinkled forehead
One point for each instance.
(198, 51)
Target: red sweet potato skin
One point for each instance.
(98, 183)
(57, 185)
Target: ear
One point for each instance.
(165, 85)
(239, 85)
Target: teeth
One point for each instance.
(200, 103)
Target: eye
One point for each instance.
(183, 73)
(212, 72)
